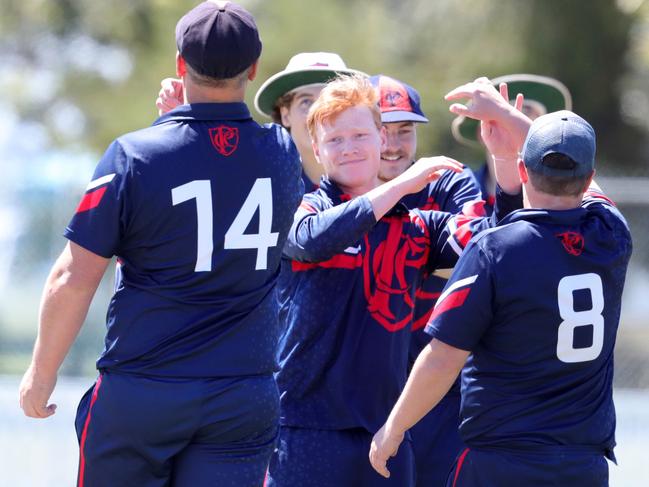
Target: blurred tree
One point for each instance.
(90, 71)
(586, 46)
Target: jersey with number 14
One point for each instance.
(197, 209)
(537, 301)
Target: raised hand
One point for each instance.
(500, 142)
(429, 169)
(485, 102)
(170, 95)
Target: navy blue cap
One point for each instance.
(561, 132)
(218, 39)
(398, 101)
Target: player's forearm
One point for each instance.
(319, 236)
(385, 196)
(433, 374)
(62, 312)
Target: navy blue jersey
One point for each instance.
(347, 303)
(537, 301)
(308, 184)
(453, 193)
(196, 208)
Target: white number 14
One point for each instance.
(260, 196)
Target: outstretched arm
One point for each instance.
(66, 298)
(318, 234)
(432, 376)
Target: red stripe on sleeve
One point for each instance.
(453, 300)
(91, 200)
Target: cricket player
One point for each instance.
(357, 256)
(534, 306)
(435, 439)
(196, 208)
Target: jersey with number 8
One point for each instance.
(198, 232)
(537, 299)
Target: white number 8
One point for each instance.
(573, 319)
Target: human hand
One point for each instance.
(429, 169)
(485, 102)
(170, 95)
(35, 391)
(385, 445)
(501, 143)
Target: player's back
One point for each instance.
(197, 209)
(545, 364)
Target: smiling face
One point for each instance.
(349, 147)
(400, 149)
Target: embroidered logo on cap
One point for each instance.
(394, 96)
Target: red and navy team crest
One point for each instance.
(225, 139)
(573, 242)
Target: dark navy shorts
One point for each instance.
(334, 458)
(482, 468)
(436, 442)
(153, 432)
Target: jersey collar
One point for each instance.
(207, 111)
(565, 217)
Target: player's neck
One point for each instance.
(195, 93)
(537, 199)
(360, 189)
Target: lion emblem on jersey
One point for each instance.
(225, 139)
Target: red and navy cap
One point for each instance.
(218, 39)
(399, 102)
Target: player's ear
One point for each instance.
(283, 112)
(522, 171)
(383, 133)
(181, 69)
(252, 74)
(588, 181)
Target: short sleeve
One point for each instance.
(464, 310)
(100, 218)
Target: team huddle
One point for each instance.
(294, 297)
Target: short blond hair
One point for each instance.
(345, 91)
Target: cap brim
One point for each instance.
(402, 116)
(548, 91)
(285, 81)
